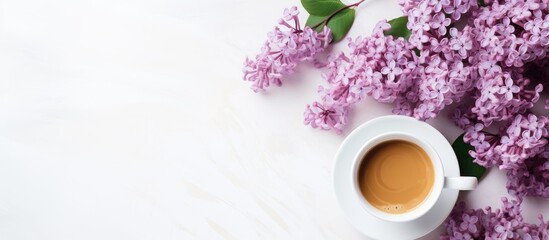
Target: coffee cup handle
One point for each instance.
(461, 183)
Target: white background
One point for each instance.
(129, 120)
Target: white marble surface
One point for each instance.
(129, 120)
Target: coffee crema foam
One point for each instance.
(396, 176)
(395, 208)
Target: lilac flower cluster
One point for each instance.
(379, 67)
(510, 45)
(283, 50)
(486, 59)
(389, 70)
(504, 223)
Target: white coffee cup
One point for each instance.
(441, 180)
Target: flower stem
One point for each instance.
(325, 20)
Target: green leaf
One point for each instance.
(321, 7)
(398, 28)
(331, 13)
(339, 24)
(481, 3)
(466, 165)
(314, 20)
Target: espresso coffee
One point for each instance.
(396, 176)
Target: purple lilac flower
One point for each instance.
(504, 223)
(328, 115)
(457, 7)
(530, 179)
(460, 42)
(283, 50)
(469, 223)
(406, 5)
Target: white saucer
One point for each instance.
(370, 225)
